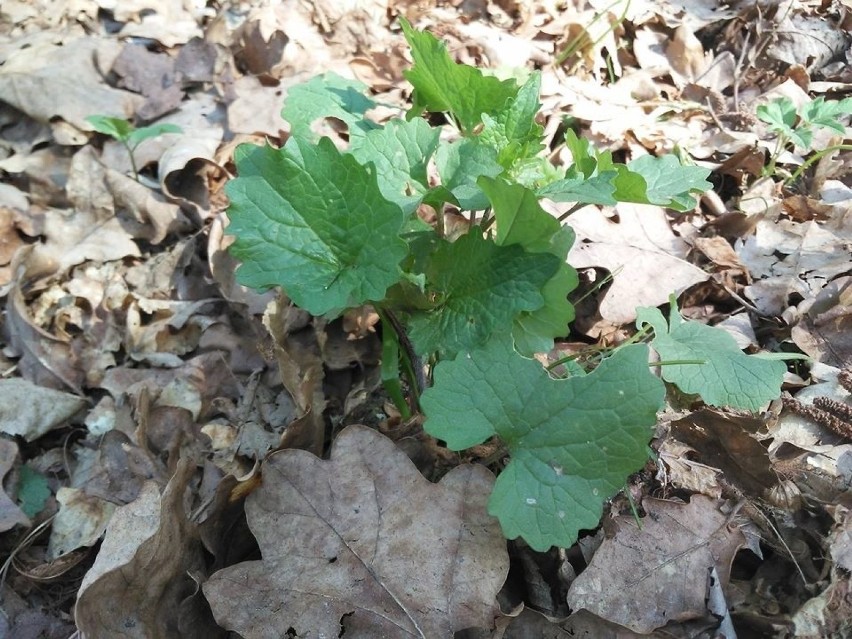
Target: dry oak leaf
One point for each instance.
(645, 258)
(362, 544)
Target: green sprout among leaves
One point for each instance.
(128, 135)
(464, 310)
(796, 127)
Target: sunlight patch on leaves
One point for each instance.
(400, 151)
(328, 96)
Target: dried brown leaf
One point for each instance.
(644, 578)
(364, 543)
(645, 258)
(140, 576)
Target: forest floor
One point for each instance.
(142, 388)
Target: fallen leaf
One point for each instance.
(825, 329)
(30, 411)
(645, 258)
(726, 442)
(642, 578)
(81, 521)
(139, 578)
(51, 78)
(45, 359)
(363, 544)
(10, 514)
(787, 258)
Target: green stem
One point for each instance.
(577, 206)
(677, 362)
(816, 157)
(780, 143)
(130, 151)
(572, 47)
(406, 360)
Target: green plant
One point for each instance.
(796, 128)
(365, 225)
(128, 135)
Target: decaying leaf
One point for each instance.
(363, 544)
(642, 578)
(10, 514)
(140, 576)
(31, 411)
(644, 256)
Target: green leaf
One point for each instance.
(314, 221)
(827, 114)
(779, 113)
(33, 491)
(584, 161)
(728, 377)
(572, 442)
(521, 220)
(400, 151)
(597, 189)
(117, 128)
(460, 164)
(328, 96)
(140, 135)
(513, 132)
(479, 288)
(443, 86)
(666, 182)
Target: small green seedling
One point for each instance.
(129, 136)
(796, 127)
(471, 305)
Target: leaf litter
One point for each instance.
(144, 389)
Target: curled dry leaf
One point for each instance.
(366, 543)
(141, 574)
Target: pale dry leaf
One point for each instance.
(257, 108)
(139, 578)
(686, 55)
(644, 578)
(175, 331)
(824, 331)
(223, 267)
(89, 231)
(681, 471)
(81, 521)
(300, 366)
(10, 514)
(786, 258)
(169, 22)
(363, 544)
(51, 78)
(155, 216)
(30, 411)
(645, 258)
